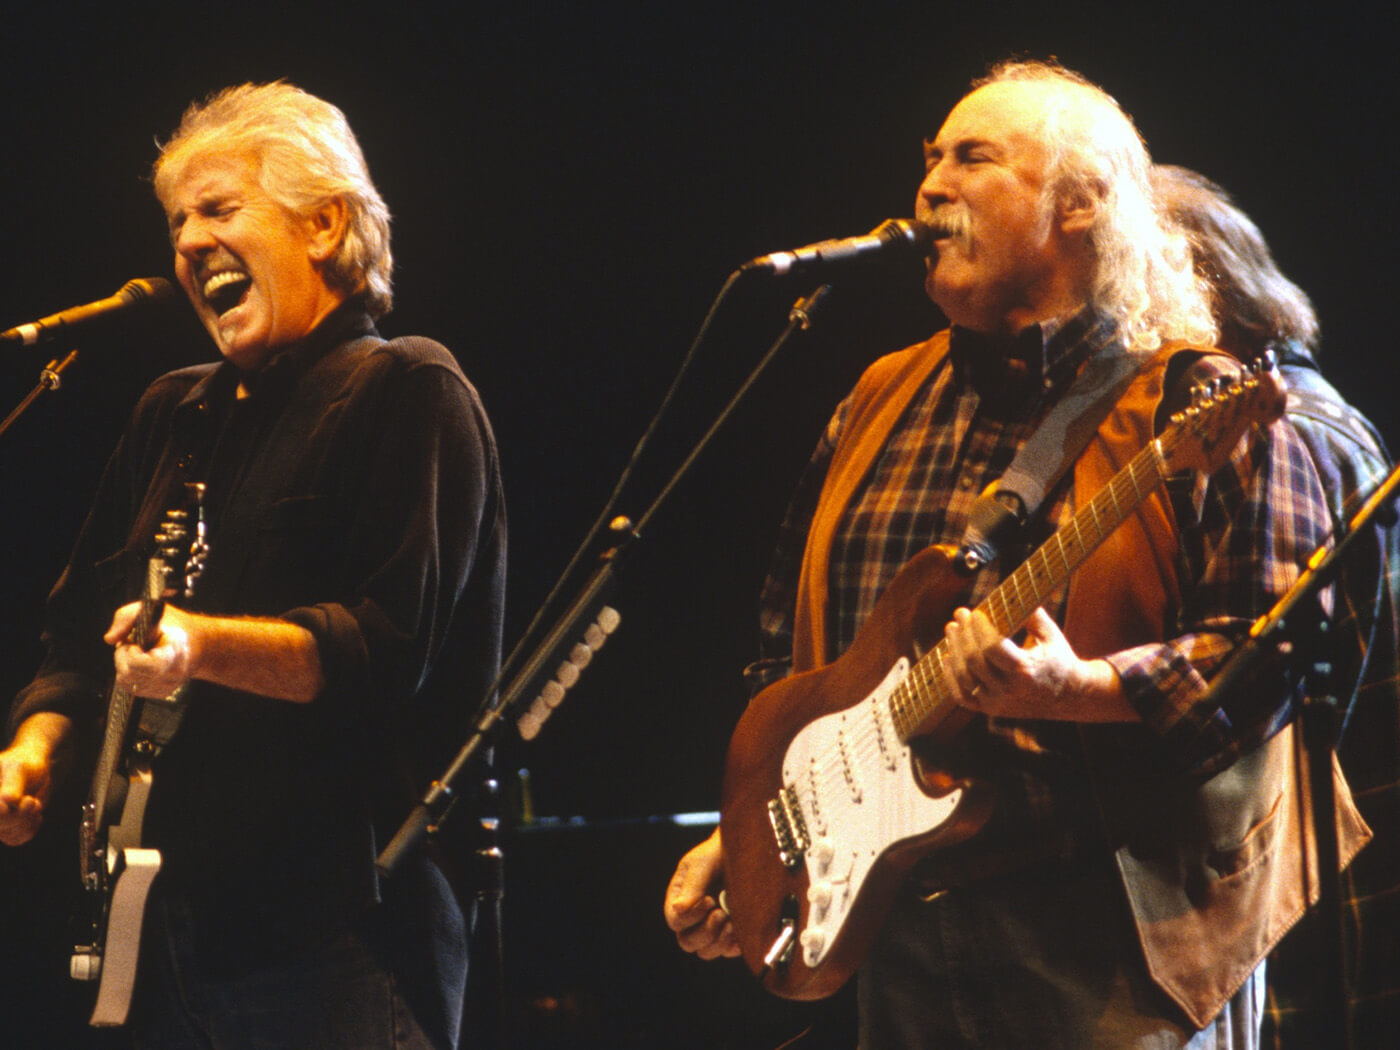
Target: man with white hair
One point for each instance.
(348, 616)
(1120, 894)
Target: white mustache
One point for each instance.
(951, 222)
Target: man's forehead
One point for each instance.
(214, 173)
(1006, 112)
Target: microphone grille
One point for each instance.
(155, 289)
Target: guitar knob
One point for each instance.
(823, 850)
(85, 966)
(813, 946)
(819, 896)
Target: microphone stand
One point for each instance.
(1296, 630)
(587, 617)
(51, 378)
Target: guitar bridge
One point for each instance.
(789, 828)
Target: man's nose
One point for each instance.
(936, 188)
(193, 238)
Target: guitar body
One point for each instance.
(820, 750)
(116, 902)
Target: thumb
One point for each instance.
(1041, 629)
(12, 782)
(122, 621)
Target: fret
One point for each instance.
(1017, 587)
(1093, 510)
(1082, 535)
(900, 710)
(1029, 587)
(1073, 545)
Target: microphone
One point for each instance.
(141, 292)
(893, 236)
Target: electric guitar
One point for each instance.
(826, 806)
(117, 870)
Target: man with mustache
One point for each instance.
(1124, 891)
(348, 617)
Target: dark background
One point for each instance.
(571, 185)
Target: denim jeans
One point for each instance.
(1042, 960)
(378, 986)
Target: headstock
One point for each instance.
(1202, 435)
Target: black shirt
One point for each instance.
(356, 492)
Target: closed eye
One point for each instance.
(214, 208)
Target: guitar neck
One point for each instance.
(120, 703)
(1050, 567)
(923, 692)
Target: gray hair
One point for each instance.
(306, 155)
(1143, 277)
(1256, 306)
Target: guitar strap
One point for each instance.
(999, 513)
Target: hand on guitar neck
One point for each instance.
(269, 657)
(163, 666)
(1041, 677)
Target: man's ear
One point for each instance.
(1079, 208)
(327, 224)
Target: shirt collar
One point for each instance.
(1011, 375)
(350, 320)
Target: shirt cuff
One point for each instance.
(68, 693)
(340, 645)
(1165, 688)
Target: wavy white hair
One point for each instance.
(307, 155)
(1143, 277)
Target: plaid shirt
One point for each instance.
(1352, 462)
(1245, 532)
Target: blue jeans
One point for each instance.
(1041, 960)
(388, 983)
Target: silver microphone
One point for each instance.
(892, 237)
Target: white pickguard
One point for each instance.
(854, 780)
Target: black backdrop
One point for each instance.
(571, 185)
